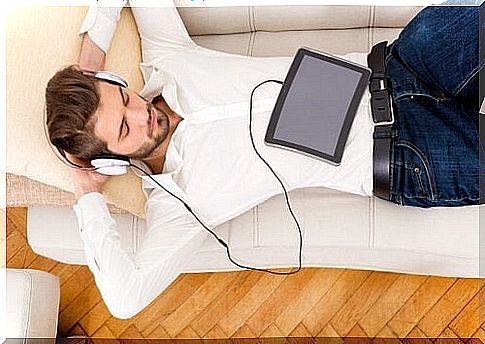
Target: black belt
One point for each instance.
(383, 119)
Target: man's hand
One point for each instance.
(85, 181)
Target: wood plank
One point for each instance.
(132, 332)
(250, 302)
(16, 220)
(215, 333)
(272, 331)
(328, 332)
(80, 306)
(279, 300)
(300, 331)
(167, 302)
(480, 335)
(17, 261)
(187, 333)
(95, 318)
(417, 333)
(315, 289)
(391, 340)
(300, 340)
(468, 320)
(356, 335)
(419, 304)
(30, 256)
(65, 272)
(158, 333)
(443, 312)
(361, 301)
(41, 263)
(448, 337)
(357, 331)
(78, 331)
(244, 332)
(75, 286)
(328, 340)
(193, 305)
(386, 332)
(217, 309)
(324, 310)
(103, 332)
(15, 242)
(390, 303)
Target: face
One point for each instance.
(128, 124)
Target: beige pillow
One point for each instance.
(40, 41)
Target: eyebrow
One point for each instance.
(122, 120)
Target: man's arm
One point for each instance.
(91, 57)
(97, 32)
(129, 282)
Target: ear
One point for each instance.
(160, 103)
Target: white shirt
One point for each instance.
(210, 162)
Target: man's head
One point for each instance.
(87, 116)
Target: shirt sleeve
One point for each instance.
(100, 24)
(161, 30)
(129, 282)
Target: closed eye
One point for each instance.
(125, 99)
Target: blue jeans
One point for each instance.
(433, 70)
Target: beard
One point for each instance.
(148, 148)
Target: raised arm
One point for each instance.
(91, 56)
(97, 32)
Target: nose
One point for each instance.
(138, 116)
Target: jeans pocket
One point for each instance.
(418, 176)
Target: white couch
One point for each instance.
(340, 230)
(32, 306)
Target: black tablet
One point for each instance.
(317, 104)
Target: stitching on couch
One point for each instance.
(28, 296)
(253, 19)
(248, 49)
(372, 222)
(256, 226)
(253, 29)
(371, 24)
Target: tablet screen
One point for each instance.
(317, 107)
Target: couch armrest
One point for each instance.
(32, 304)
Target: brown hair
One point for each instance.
(72, 98)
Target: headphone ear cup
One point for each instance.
(114, 165)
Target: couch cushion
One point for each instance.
(266, 236)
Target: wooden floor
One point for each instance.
(313, 303)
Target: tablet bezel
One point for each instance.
(349, 116)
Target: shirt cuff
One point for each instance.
(100, 24)
(89, 207)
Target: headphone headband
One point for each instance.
(107, 76)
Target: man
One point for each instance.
(195, 140)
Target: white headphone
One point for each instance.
(107, 164)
